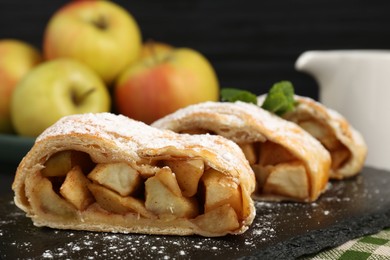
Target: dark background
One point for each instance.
(250, 43)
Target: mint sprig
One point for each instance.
(280, 98)
(233, 95)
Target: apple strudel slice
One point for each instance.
(289, 164)
(103, 172)
(345, 144)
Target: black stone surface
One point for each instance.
(347, 210)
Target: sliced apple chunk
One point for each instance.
(119, 177)
(219, 191)
(108, 199)
(261, 173)
(218, 220)
(316, 129)
(339, 157)
(59, 164)
(321, 132)
(113, 202)
(168, 178)
(162, 201)
(272, 154)
(188, 174)
(75, 189)
(50, 202)
(249, 152)
(288, 180)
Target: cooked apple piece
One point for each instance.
(168, 178)
(219, 191)
(261, 173)
(162, 201)
(321, 132)
(316, 129)
(272, 154)
(113, 202)
(119, 177)
(288, 180)
(147, 161)
(51, 202)
(223, 218)
(249, 152)
(75, 189)
(58, 165)
(137, 206)
(188, 173)
(339, 157)
(331, 142)
(61, 163)
(108, 199)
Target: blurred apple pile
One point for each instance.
(93, 59)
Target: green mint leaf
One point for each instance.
(233, 95)
(280, 98)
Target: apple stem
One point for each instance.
(153, 51)
(100, 22)
(78, 99)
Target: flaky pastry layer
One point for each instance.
(109, 139)
(245, 124)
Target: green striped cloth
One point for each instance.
(372, 247)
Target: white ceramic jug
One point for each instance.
(356, 83)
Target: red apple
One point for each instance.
(16, 59)
(160, 84)
(100, 34)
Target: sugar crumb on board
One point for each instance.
(112, 246)
(271, 220)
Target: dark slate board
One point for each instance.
(349, 209)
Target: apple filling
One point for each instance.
(277, 171)
(179, 188)
(323, 133)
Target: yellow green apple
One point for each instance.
(101, 34)
(153, 48)
(162, 83)
(55, 89)
(16, 59)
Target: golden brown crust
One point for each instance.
(248, 123)
(108, 138)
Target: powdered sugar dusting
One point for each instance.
(271, 220)
(259, 124)
(239, 115)
(91, 245)
(132, 136)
